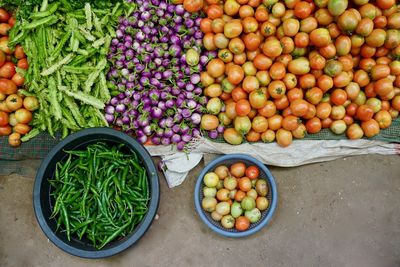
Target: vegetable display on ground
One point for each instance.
(235, 195)
(67, 52)
(109, 203)
(15, 109)
(157, 59)
(290, 68)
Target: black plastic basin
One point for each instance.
(43, 204)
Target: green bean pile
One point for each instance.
(100, 194)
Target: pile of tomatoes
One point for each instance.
(288, 68)
(15, 109)
(235, 195)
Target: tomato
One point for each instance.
(214, 11)
(235, 74)
(308, 25)
(233, 28)
(307, 81)
(242, 107)
(257, 99)
(4, 15)
(376, 38)
(314, 95)
(275, 122)
(276, 89)
(295, 93)
(302, 9)
(252, 172)
(7, 87)
(14, 140)
(237, 46)
(220, 41)
(314, 125)
(299, 66)
(333, 68)
(238, 93)
(14, 102)
(284, 137)
(368, 11)
(325, 82)
(254, 3)
(7, 70)
(252, 41)
(250, 25)
(209, 122)
(290, 80)
(263, 77)
(337, 7)
(320, 37)
(3, 119)
(291, 27)
(277, 71)
(5, 130)
(394, 21)
(262, 62)
(383, 86)
(392, 41)
(370, 128)
(354, 131)
(253, 136)
(231, 7)
(240, 59)
(214, 90)
(238, 169)
(383, 119)
(352, 90)
(250, 84)
(2, 58)
(242, 223)
(268, 110)
(343, 45)
(272, 48)
(206, 79)
(4, 46)
(348, 21)
(299, 107)
(282, 103)
(290, 123)
(231, 136)
(385, 4)
(338, 97)
(21, 128)
(216, 68)
(396, 103)
(206, 25)
(4, 28)
(323, 17)
(364, 113)
(246, 11)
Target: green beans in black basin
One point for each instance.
(100, 194)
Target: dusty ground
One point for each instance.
(341, 213)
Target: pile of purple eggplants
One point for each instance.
(156, 63)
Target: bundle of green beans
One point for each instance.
(99, 193)
(67, 52)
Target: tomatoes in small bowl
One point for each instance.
(235, 205)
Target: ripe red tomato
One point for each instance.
(3, 119)
(252, 172)
(364, 113)
(193, 5)
(242, 223)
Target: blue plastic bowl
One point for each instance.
(265, 215)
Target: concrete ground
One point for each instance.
(340, 213)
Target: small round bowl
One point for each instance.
(265, 215)
(43, 203)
